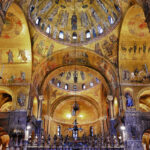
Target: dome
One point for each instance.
(74, 22)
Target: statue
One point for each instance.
(116, 142)
(102, 140)
(91, 131)
(43, 140)
(129, 100)
(66, 139)
(48, 140)
(30, 140)
(108, 140)
(35, 140)
(61, 140)
(23, 76)
(55, 139)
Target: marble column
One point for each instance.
(40, 99)
(30, 106)
(106, 125)
(102, 126)
(110, 101)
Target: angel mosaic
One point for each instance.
(10, 56)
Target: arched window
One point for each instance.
(83, 87)
(48, 29)
(117, 7)
(32, 8)
(66, 86)
(61, 35)
(115, 16)
(100, 29)
(111, 20)
(74, 35)
(38, 20)
(88, 34)
(58, 84)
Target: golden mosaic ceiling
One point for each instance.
(74, 21)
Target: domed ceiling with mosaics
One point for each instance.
(74, 22)
(61, 37)
(78, 49)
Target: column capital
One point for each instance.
(41, 97)
(110, 98)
